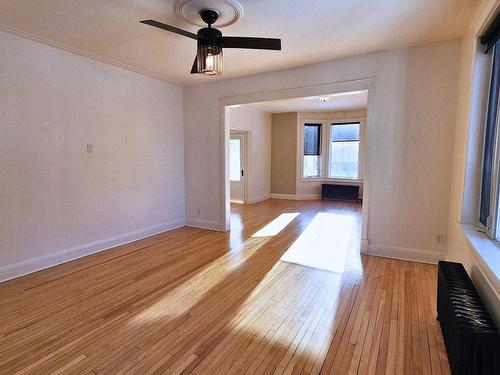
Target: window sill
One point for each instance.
(484, 249)
(352, 181)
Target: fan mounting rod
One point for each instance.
(209, 16)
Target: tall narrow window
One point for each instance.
(312, 150)
(234, 160)
(489, 197)
(344, 150)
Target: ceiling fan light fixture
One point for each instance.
(210, 42)
(209, 47)
(209, 59)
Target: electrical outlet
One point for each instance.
(439, 238)
(90, 148)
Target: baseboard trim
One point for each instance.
(262, 198)
(26, 267)
(295, 197)
(204, 224)
(364, 246)
(402, 253)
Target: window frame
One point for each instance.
(360, 151)
(321, 126)
(490, 228)
(493, 232)
(326, 120)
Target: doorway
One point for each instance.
(227, 103)
(238, 176)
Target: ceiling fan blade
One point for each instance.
(252, 43)
(194, 68)
(172, 29)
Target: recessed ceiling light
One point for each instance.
(324, 98)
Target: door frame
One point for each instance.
(244, 134)
(225, 103)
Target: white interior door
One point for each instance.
(237, 168)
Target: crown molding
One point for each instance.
(80, 52)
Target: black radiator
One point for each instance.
(340, 192)
(471, 338)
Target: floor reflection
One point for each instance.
(277, 225)
(325, 243)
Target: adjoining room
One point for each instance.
(300, 150)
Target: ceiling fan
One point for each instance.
(208, 60)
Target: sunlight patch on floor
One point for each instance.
(278, 324)
(236, 222)
(324, 244)
(202, 285)
(277, 225)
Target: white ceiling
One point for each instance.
(337, 102)
(311, 30)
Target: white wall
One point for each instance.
(409, 140)
(58, 202)
(258, 124)
(472, 91)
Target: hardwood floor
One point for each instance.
(192, 301)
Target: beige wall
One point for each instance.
(284, 153)
(57, 201)
(258, 125)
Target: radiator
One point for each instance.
(471, 338)
(341, 192)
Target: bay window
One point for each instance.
(332, 149)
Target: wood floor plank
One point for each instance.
(193, 301)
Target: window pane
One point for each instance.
(311, 165)
(344, 159)
(344, 150)
(345, 132)
(489, 139)
(234, 160)
(312, 139)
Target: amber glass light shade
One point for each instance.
(209, 59)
